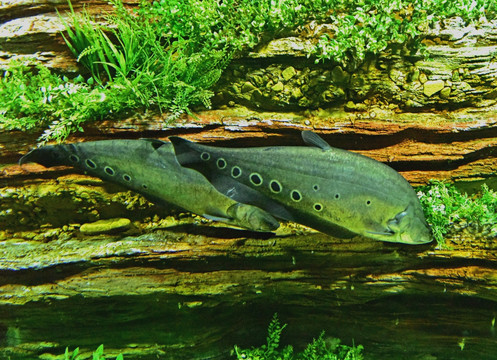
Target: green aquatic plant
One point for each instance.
(319, 349)
(37, 99)
(97, 355)
(169, 53)
(448, 210)
(167, 71)
(358, 27)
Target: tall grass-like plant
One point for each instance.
(161, 70)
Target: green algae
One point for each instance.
(105, 226)
(62, 202)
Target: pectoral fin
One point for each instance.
(246, 195)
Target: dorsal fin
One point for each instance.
(156, 143)
(313, 139)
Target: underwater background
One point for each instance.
(85, 262)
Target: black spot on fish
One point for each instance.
(145, 186)
(236, 171)
(127, 177)
(296, 196)
(91, 164)
(337, 196)
(316, 187)
(109, 171)
(318, 207)
(221, 163)
(74, 158)
(255, 179)
(275, 186)
(205, 156)
(368, 202)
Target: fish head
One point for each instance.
(252, 217)
(407, 226)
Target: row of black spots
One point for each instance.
(275, 186)
(236, 172)
(205, 156)
(221, 163)
(255, 179)
(318, 207)
(295, 195)
(107, 169)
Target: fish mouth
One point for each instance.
(392, 236)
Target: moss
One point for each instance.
(66, 201)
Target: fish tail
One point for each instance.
(47, 156)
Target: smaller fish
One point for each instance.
(149, 167)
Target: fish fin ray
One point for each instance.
(313, 139)
(246, 195)
(218, 218)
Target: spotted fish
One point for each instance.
(331, 190)
(149, 167)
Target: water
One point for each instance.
(398, 327)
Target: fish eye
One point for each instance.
(296, 196)
(236, 171)
(91, 164)
(256, 179)
(205, 156)
(221, 163)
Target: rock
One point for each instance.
(247, 87)
(431, 87)
(278, 87)
(423, 78)
(297, 93)
(105, 226)
(288, 73)
(338, 75)
(397, 76)
(283, 46)
(445, 92)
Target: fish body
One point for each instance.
(149, 167)
(331, 190)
